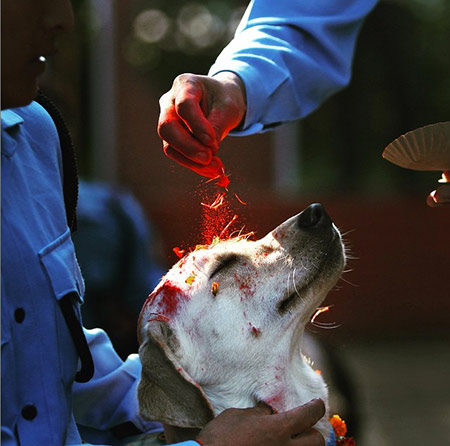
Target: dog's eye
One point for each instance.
(223, 263)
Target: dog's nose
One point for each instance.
(313, 216)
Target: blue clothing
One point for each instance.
(291, 56)
(40, 403)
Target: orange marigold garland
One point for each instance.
(340, 431)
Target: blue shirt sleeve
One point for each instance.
(292, 56)
(110, 397)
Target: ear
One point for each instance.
(166, 392)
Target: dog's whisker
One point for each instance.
(348, 281)
(351, 257)
(295, 285)
(325, 326)
(290, 281)
(343, 234)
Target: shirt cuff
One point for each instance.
(256, 92)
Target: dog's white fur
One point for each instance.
(224, 327)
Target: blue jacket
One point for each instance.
(39, 268)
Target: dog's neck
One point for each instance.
(284, 381)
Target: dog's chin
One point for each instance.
(321, 280)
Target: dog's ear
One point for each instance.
(166, 392)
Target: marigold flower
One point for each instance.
(339, 426)
(215, 288)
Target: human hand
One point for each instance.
(259, 427)
(441, 195)
(196, 114)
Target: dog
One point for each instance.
(224, 326)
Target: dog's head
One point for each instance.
(224, 326)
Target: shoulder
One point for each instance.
(34, 119)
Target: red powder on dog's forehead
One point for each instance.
(168, 297)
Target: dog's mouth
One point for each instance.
(286, 304)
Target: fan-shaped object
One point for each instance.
(427, 148)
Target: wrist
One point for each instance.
(235, 91)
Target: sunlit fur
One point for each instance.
(237, 343)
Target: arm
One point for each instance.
(293, 57)
(281, 65)
(109, 399)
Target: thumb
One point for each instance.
(260, 409)
(303, 417)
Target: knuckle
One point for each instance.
(165, 99)
(163, 128)
(182, 78)
(184, 105)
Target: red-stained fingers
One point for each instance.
(214, 169)
(191, 102)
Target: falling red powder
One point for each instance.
(219, 218)
(216, 217)
(219, 201)
(179, 252)
(240, 201)
(225, 230)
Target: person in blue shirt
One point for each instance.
(47, 399)
(285, 59)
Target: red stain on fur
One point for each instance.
(169, 297)
(159, 318)
(246, 286)
(254, 331)
(276, 402)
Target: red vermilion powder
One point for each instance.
(214, 219)
(178, 252)
(169, 297)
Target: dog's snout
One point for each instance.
(313, 216)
